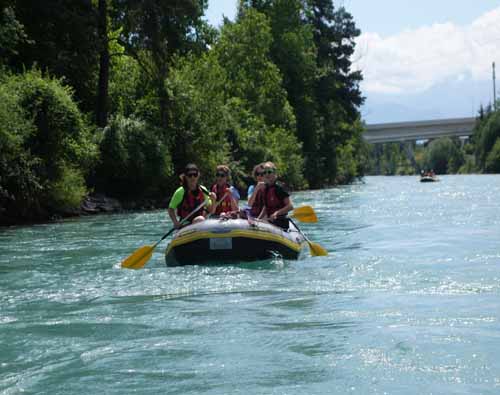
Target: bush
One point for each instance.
(68, 191)
(19, 184)
(488, 133)
(493, 159)
(469, 167)
(444, 156)
(44, 138)
(134, 162)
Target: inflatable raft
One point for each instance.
(428, 179)
(217, 241)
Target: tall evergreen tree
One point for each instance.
(155, 30)
(337, 91)
(62, 40)
(102, 91)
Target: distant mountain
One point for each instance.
(451, 99)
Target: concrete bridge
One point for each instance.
(419, 130)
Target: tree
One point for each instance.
(47, 150)
(492, 164)
(155, 30)
(485, 136)
(260, 116)
(444, 156)
(11, 33)
(62, 41)
(102, 92)
(312, 46)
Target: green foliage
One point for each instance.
(68, 191)
(134, 162)
(275, 85)
(126, 85)
(390, 159)
(11, 33)
(19, 184)
(492, 164)
(61, 40)
(444, 156)
(312, 44)
(244, 52)
(486, 135)
(62, 136)
(198, 128)
(469, 167)
(155, 31)
(260, 121)
(44, 140)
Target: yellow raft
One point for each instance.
(232, 240)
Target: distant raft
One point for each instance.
(232, 240)
(428, 179)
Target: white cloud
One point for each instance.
(415, 60)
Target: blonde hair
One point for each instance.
(224, 169)
(270, 164)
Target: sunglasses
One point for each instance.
(192, 175)
(269, 171)
(259, 174)
(220, 175)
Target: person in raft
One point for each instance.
(247, 212)
(189, 196)
(226, 194)
(273, 198)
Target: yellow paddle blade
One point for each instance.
(139, 258)
(316, 249)
(305, 214)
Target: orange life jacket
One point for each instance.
(226, 205)
(271, 200)
(258, 204)
(190, 201)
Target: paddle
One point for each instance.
(305, 214)
(219, 202)
(142, 255)
(314, 248)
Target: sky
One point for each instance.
(425, 59)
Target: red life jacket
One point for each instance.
(190, 201)
(258, 204)
(226, 205)
(271, 200)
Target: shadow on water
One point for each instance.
(277, 262)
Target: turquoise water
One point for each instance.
(408, 301)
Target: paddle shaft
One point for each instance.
(182, 222)
(298, 230)
(219, 202)
(190, 214)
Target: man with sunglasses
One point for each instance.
(189, 196)
(225, 193)
(274, 198)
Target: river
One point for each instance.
(407, 302)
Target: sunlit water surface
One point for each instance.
(408, 301)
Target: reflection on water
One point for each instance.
(407, 300)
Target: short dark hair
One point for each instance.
(191, 166)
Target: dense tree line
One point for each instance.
(116, 96)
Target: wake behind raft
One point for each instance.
(221, 240)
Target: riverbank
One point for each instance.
(94, 204)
